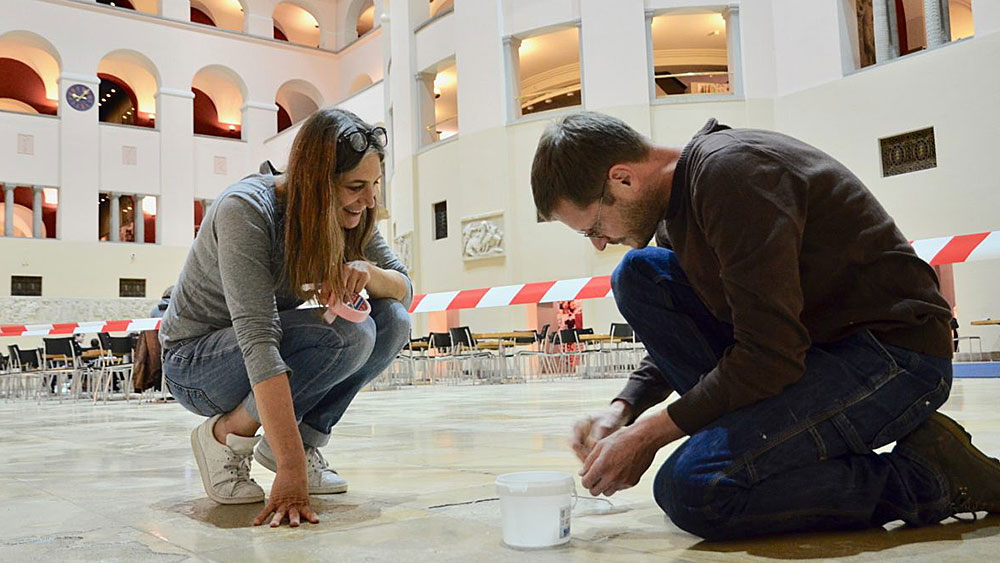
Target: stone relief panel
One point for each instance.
(482, 236)
(403, 247)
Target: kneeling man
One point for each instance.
(792, 317)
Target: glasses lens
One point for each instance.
(380, 136)
(358, 141)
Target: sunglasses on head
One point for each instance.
(360, 140)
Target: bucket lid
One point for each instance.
(535, 483)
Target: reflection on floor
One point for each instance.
(118, 482)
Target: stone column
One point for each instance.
(510, 47)
(425, 103)
(259, 123)
(79, 163)
(734, 45)
(175, 210)
(36, 213)
(138, 219)
(114, 234)
(176, 9)
(8, 210)
(936, 25)
(883, 36)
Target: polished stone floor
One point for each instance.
(118, 482)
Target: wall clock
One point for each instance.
(80, 97)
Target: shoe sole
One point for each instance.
(273, 467)
(199, 458)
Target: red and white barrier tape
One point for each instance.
(943, 250)
(130, 325)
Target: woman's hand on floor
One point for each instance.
(289, 499)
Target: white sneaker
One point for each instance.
(323, 480)
(225, 470)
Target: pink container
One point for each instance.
(356, 311)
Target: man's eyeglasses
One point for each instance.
(360, 140)
(594, 231)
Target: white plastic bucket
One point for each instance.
(536, 507)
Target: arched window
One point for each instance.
(128, 89)
(296, 25)
(359, 83)
(366, 20)
(117, 4)
(296, 100)
(218, 101)
(224, 14)
(29, 66)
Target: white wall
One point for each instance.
(29, 169)
(208, 182)
(142, 177)
(436, 41)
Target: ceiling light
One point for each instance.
(112, 90)
(548, 101)
(569, 94)
(529, 108)
(232, 128)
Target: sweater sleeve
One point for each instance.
(645, 387)
(751, 208)
(378, 251)
(244, 243)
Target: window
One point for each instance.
(437, 91)
(118, 217)
(440, 220)
(884, 31)
(690, 54)
(34, 211)
(545, 71)
(129, 287)
(26, 286)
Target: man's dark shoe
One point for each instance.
(974, 477)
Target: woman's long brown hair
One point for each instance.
(315, 243)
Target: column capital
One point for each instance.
(266, 106)
(510, 40)
(175, 92)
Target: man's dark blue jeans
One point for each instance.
(799, 461)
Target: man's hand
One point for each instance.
(590, 429)
(618, 461)
(356, 276)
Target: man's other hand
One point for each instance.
(592, 428)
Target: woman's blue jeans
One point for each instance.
(329, 364)
(799, 461)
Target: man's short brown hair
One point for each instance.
(574, 155)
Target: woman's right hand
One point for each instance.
(289, 499)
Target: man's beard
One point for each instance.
(642, 217)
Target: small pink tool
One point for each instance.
(356, 311)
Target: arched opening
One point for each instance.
(296, 24)
(24, 203)
(126, 4)
(218, 101)
(224, 14)
(440, 6)
(366, 19)
(129, 83)
(278, 34)
(359, 83)
(30, 67)
(296, 100)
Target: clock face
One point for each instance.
(80, 97)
